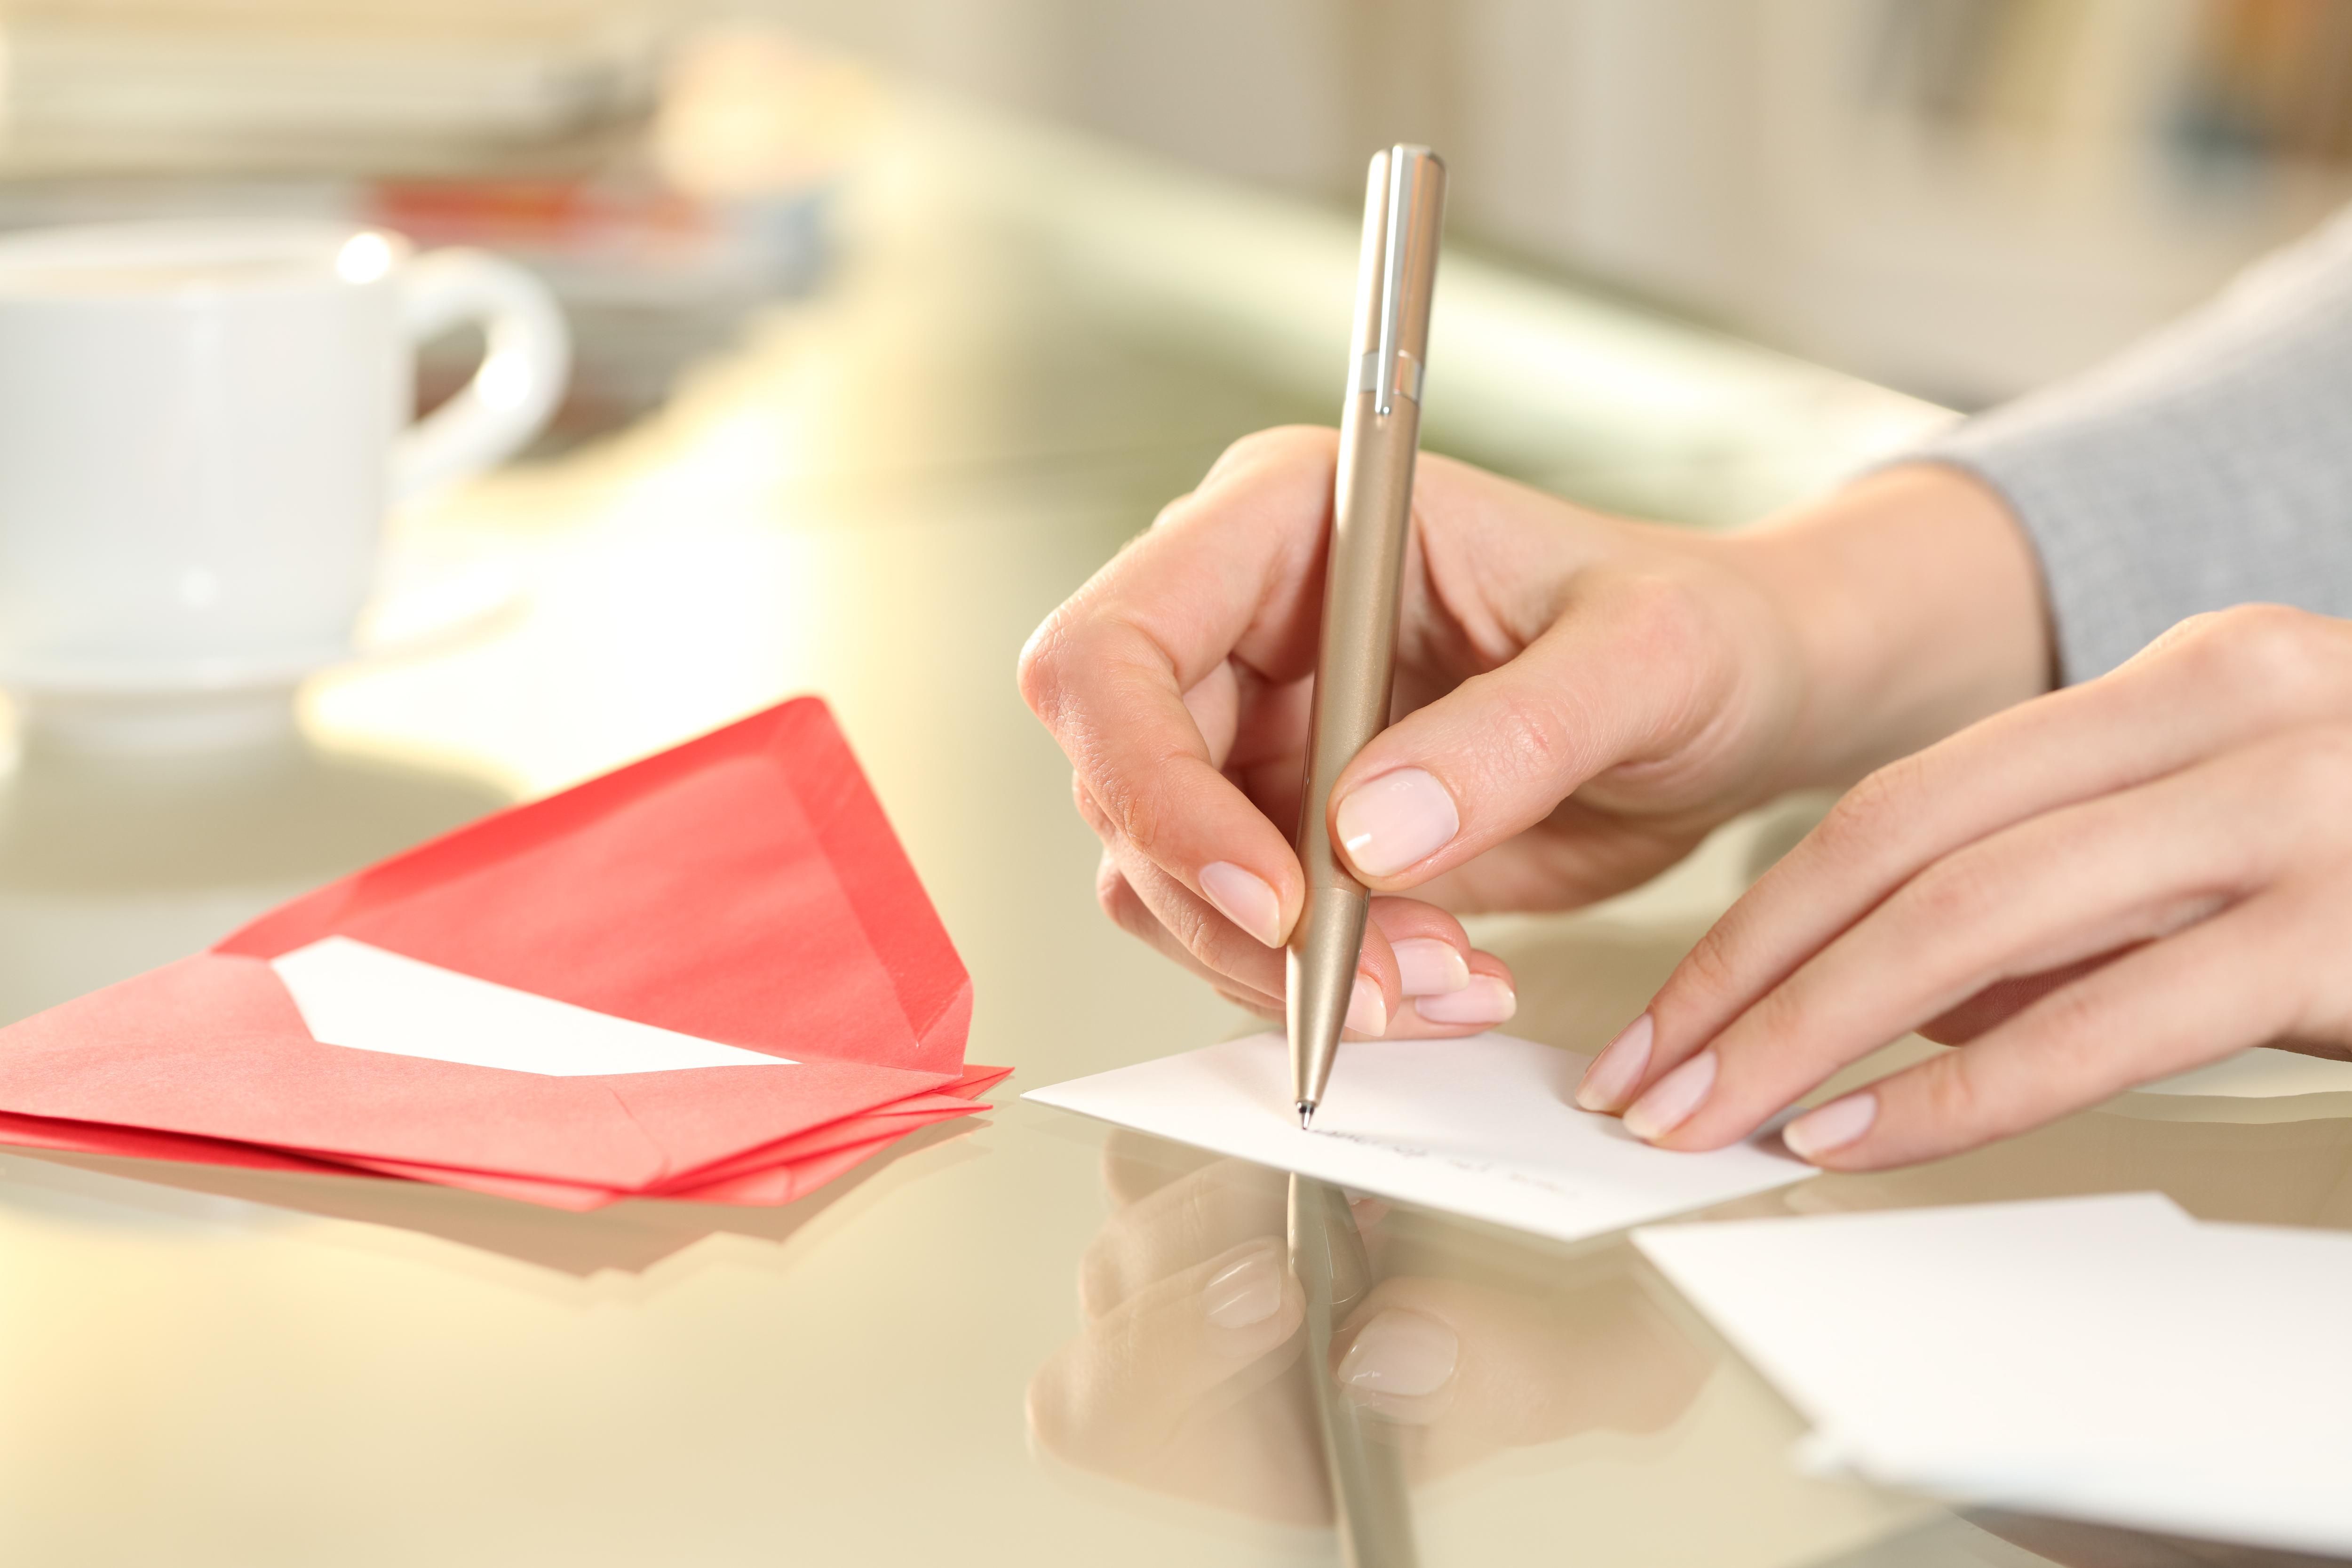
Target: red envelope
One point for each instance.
(742, 890)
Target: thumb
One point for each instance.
(1637, 684)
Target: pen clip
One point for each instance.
(1392, 362)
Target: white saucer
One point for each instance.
(405, 621)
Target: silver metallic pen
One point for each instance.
(1371, 512)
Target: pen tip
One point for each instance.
(1305, 1113)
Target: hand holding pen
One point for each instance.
(1579, 701)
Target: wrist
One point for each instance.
(1914, 601)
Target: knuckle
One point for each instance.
(2314, 773)
(1042, 670)
(1089, 812)
(1137, 807)
(1185, 921)
(1870, 820)
(1209, 937)
(1950, 1096)
(1529, 735)
(2272, 653)
(1120, 902)
(1957, 891)
(1282, 443)
(1672, 621)
(1103, 1276)
(2327, 751)
(1710, 971)
(2073, 1027)
(1056, 1415)
(2189, 636)
(1782, 1018)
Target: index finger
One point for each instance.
(1232, 571)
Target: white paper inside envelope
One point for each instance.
(1482, 1127)
(351, 994)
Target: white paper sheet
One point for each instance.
(2258, 1072)
(2106, 1359)
(1482, 1127)
(356, 995)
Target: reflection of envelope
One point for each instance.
(671, 978)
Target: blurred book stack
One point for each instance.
(1970, 197)
(2273, 80)
(664, 183)
(314, 84)
(2208, 85)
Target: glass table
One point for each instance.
(969, 1353)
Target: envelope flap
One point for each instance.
(744, 887)
(212, 1046)
(878, 880)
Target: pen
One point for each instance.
(1371, 511)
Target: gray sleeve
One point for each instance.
(2209, 466)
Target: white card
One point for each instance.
(351, 994)
(2104, 1358)
(1484, 1127)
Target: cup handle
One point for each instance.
(525, 364)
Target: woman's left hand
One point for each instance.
(2104, 885)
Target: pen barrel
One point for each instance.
(1371, 512)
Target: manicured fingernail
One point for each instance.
(1832, 1126)
(1672, 1099)
(1428, 967)
(1243, 898)
(1248, 1292)
(1609, 1081)
(1401, 1355)
(1485, 1000)
(1368, 1010)
(1396, 819)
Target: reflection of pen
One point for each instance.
(1362, 1462)
(1371, 511)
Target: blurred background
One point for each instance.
(894, 319)
(1960, 198)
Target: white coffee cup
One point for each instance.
(202, 425)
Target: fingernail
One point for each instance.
(1368, 1010)
(1396, 819)
(1672, 1099)
(1832, 1126)
(1243, 898)
(1485, 1000)
(1609, 1081)
(1400, 1354)
(1247, 1292)
(1428, 967)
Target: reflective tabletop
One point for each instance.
(991, 1347)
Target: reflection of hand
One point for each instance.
(1189, 1320)
(1480, 1370)
(2112, 883)
(1184, 1374)
(1582, 699)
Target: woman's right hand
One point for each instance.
(1579, 699)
